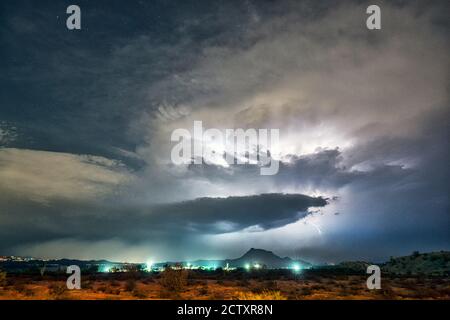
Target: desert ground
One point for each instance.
(189, 285)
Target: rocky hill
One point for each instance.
(265, 258)
(433, 263)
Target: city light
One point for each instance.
(148, 265)
(247, 266)
(105, 268)
(296, 267)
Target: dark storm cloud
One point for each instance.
(265, 210)
(66, 219)
(324, 170)
(79, 91)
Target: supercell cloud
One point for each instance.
(86, 119)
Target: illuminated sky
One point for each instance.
(86, 118)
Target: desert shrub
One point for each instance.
(228, 283)
(386, 293)
(101, 288)
(217, 296)
(9, 282)
(19, 287)
(115, 283)
(243, 283)
(28, 292)
(173, 280)
(200, 282)
(108, 290)
(86, 284)
(165, 294)
(58, 291)
(259, 288)
(265, 295)
(139, 294)
(130, 285)
(148, 280)
(203, 291)
(356, 282)
(345, 293)
(2, 278)
(318, 287)
(424, 293)
(270, 285)
(305, 291)
(293, 296)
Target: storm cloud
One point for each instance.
(86, 119)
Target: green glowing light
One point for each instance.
(105, 268)
(247, 266)
(148, 265)
(296, 267)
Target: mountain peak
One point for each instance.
(263, 257)
(253, 250)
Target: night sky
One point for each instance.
(86, 118)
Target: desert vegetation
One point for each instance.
(218, 285)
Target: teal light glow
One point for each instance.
(105, 268)
(148, 265)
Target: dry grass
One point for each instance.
(159, 287)
(265, 295)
